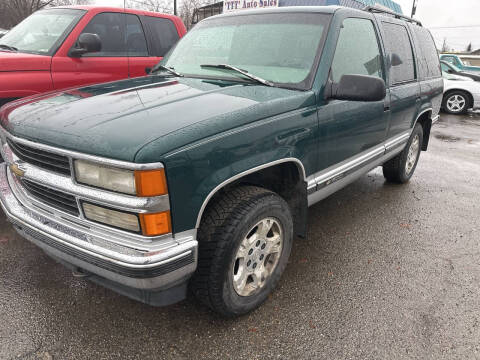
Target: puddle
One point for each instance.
(447, 138)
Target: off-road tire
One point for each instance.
(394, 170)
(227, 220)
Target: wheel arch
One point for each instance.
(295, 195)
(424, 118)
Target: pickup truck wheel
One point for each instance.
(401, 168)
(456, 102)
(244, 243)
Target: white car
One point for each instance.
(460, 93)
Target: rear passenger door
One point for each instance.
(402, 78)
(139, 60)
(160, 35)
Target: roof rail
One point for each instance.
(374, 9)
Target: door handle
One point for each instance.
(386, 108)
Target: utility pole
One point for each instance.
(414, 7)
(174, 7)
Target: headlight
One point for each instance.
(138, 182)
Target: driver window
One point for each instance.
(110, 27)
(357, 51)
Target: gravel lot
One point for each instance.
(387, 272)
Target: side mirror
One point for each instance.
(359, 88)
(450, 71)
(87, 43)
(395, 60)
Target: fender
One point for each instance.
(297, 162)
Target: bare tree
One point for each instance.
(14, 11)
(162, 6)
(187, 9)
(445, 47)
(469, 47)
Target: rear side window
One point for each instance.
(397, 41)
(163, 35)
(110, 27)
(428, 61)
(136, 43)
(357, 51)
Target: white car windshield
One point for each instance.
(42, 32)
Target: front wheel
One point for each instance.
(245, 240)
(401, 168)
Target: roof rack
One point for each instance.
(374, 9)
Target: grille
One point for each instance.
(41, 158)
(54, 198)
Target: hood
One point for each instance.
(117, 119)
(17, 61)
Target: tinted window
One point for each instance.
(397, 41)
(136, 43)
(357, 50)
(163, 35)
(427, 53)
(110, 27)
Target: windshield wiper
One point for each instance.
(243, 72)
(8, 47)
(168, 69)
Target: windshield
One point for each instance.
(281, 48)
(446, 66)
(42, 32)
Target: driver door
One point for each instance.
(110, 64)
(350, 128)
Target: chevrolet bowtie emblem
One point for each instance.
(16, 169)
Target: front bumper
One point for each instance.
(135, 271)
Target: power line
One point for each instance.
(454, 27)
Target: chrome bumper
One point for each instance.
(148, 266)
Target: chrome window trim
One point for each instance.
(297, 162)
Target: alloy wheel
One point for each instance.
(257, 257)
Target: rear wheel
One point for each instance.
(244, 243)
(456, 102)
(401, 168)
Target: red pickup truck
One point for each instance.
(65, 47)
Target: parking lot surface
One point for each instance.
(387, 271)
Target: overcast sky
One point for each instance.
(437, 15)
(442, 17)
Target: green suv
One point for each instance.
(200, 175)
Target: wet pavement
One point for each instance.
(387, 271)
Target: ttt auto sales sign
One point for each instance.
(237, 5)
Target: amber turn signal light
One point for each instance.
(150, 182)
(156, 224)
